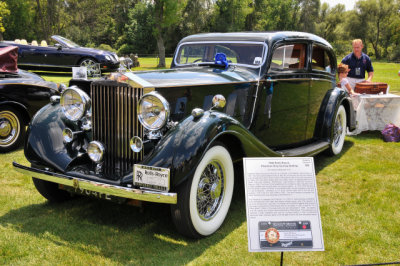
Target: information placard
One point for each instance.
(282, 206)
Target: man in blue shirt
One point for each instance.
(358, 63)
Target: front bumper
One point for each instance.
(118, 191)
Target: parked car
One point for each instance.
(22, 94)
(173, 136)
(62, 56)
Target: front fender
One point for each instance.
(184, 146)
(44, 144)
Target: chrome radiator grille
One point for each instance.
(114, 123)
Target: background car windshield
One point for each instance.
(236, 53)
(68, 42)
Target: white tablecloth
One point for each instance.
(375, 111)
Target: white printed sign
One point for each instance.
(282, 206)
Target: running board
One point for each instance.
(307, 150)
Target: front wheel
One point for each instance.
(92, 66)
(338, 132)
(50, 190)
(12, 129)
(204, 200)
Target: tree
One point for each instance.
(273, 15)
(329, 20)
(376, 14)
(308, 15)
(230, 15)
(165, 16)
(3, 12)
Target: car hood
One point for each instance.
(192, 76)
(93, 51)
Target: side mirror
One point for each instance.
(58, 46)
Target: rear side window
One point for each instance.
(321, 59)
(291, 56)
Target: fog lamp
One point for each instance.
(96, 151)
(136, 144)
(68, 135)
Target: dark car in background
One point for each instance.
(22, 94)
(173, 136)
(62, 56)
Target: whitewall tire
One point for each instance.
(338, 134)
(204, 201)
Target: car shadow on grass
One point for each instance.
(117, 232)
(323, 159)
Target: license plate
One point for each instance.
(151, 177)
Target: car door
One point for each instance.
(283, 109)
(323, 68)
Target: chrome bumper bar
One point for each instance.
(118, 191)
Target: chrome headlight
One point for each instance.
(75, 103)
(153, 111)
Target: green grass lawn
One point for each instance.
(359, 195)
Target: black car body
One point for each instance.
(61, 56)
(22, 94)
(170, 136)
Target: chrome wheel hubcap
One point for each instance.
(210, 190)
(9, 128)
(91, 66)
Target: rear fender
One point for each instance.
(331, 102)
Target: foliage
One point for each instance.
(156, 26)
(230, 15)
(138, 36)
(4, 11)
(273, 15)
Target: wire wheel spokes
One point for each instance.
(338, 129)
(9, 128)
(210, 190)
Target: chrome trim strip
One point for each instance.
(288, 79)
(118, 191)
(321, 79)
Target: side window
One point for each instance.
(291, 56)
(321, 60)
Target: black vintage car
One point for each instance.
(62, 56)
(22, 94)
(173, 136)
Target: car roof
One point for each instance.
(268, 37)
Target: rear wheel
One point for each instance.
(12, 128)
(204, 200)
(338, 132)
(50, 190)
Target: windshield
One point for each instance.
(66, 42)
(240, 53)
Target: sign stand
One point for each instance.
(281, 258)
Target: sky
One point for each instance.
(348, 3)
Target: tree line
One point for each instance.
(156, 26)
